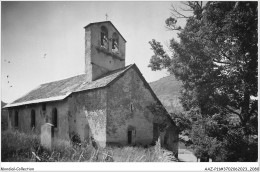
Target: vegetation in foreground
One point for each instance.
(21, 147)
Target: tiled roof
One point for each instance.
(58, 90)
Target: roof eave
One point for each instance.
(57, 98)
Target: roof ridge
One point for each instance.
(104, 75)
(62, 79)
(125, 70)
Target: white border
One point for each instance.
(128, 166)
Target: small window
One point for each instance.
(44, 106)
(33, 119)
(104, 37)
(55, 118)
(115, 43)
(16, 119)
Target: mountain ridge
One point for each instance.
(167, 89)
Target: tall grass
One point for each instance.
(23, 147)
(16, 146)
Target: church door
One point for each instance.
(129, 134)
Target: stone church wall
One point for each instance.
(87, 115)
(128, 99)
(41, 117)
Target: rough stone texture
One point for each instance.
(88, 66)
(128, 102)
(87, 115)
(99, 60)
(98, 71)
(41, 117)
(129, 91)
(24, 118)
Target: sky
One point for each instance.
(44, 41)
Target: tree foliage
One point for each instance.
(216, 60)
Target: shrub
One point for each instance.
(23, 147)
(18, 146)
(141, 154)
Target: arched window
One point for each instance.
(44, 107)
(16, 119)
(54, 117)
(115, 43)
(33, 119)
(104, 37)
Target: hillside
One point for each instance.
(167, 89)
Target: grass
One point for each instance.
(17, 146)
(21, 147)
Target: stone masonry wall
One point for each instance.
(41, 117)
(128, 107)
(87, 115)
(100, 58)
(128, 99)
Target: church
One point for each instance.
(110, 103)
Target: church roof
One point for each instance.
(59, 90)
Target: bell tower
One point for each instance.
(104, 49)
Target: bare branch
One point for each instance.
(200, 5)
(187, 4)
(175, 11)
(185, 9)
(232, 111)
(183, 2)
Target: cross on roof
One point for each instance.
(106, 16)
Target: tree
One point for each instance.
(216, 60)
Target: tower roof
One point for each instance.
(106, 22)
